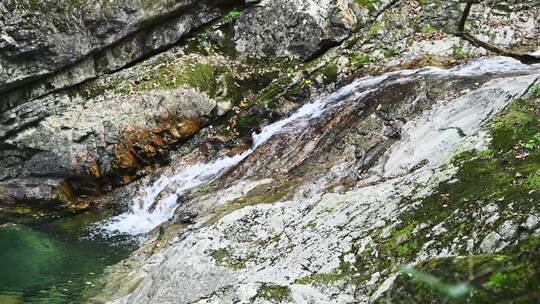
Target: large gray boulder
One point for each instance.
(293, 28)
(48, 45)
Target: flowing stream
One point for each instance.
(59, 261)
(146, 213)
(149, 210)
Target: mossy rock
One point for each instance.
(506, 174)
(273, 292)
(512, 276)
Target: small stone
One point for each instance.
(223, 107)
(491, 242)
(401, 239)
(386, 233)
(374, 278)
(508, 230)
(490, 213)
(419, 228)
(439, 229)
(532, 222)
(379, 224)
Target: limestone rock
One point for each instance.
(491, 242)
(48, 45)
(93, 144)
(293, 28)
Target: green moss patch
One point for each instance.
(274, 292)
(511, 276)
(323, 278)
(224, 257)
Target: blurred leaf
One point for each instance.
(454, 291)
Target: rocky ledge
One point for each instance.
(384, 178)
(283, 151)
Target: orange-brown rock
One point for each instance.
(105, 143)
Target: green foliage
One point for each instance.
(512, 276)
(232, 16)
(246, 124)
(459, 53)
(389, 53)
(533, 143)
(330, 73)
(359, 59)
(376, 28)
(369, 4)
(448, 290)
(535, 90)
(429, 29)
(274, 292)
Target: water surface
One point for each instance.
(54, 261)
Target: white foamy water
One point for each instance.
(151, 209)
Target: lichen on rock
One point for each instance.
(321, 151)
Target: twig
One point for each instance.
(524, 58)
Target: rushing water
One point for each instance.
(147, 213)
(54, 262)
(60, 261)
(151, 209)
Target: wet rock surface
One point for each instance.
(93, 145)
(280, 151)
(310, 233)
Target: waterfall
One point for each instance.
(150, 210)
(147, 213)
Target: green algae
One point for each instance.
(274, 292)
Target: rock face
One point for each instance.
(292, 28)
(91, 145)
(319, 231)
(286, 151)
(80, 40)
